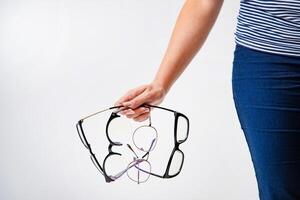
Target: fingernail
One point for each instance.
(122, 112)
(130, 112)
(126, 104)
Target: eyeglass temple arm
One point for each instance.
(98, 112)
(120, 106)
(118, 175)
(132, 150)
(147, 153)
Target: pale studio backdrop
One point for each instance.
(61, 60)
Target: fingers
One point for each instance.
(142, 117)
(138, 100)
(135, 113)
(131, 94)
(133, 100)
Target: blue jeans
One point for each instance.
(266, 93)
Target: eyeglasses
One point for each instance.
(139, 169)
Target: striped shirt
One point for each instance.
(269, 25)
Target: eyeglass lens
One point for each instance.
(143, 138)
(140, 171)
(176, 164)
(182, 129)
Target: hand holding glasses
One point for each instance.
(139, 169)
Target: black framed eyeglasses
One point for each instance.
(139, 169)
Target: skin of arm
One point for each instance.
(193, 24)
(192, 27)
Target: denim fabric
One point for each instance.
(266, 93)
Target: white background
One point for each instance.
(61, 60)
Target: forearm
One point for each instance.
(192, 27)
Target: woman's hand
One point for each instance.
(193, 25)
(152, 93)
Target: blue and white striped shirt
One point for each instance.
(269, 25)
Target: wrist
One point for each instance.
(162, 84)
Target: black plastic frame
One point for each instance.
(177, 143)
